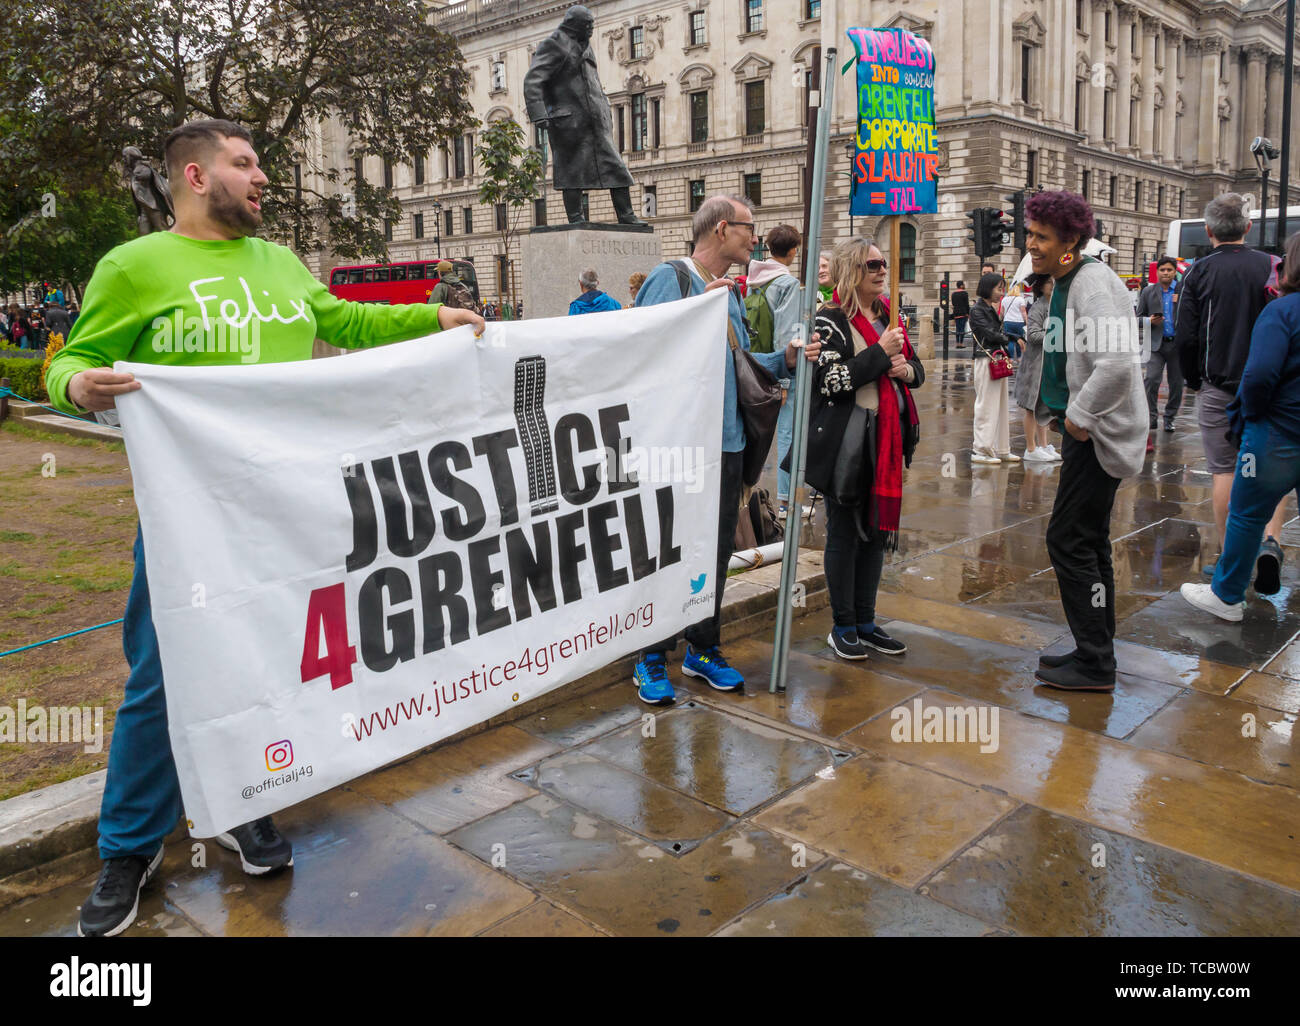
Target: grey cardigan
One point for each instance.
(1030, 373)
(1107, 397)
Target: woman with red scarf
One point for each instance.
(862, 431)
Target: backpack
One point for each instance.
(758, 524)
(459, 297)
(762, 323)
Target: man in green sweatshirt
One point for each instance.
(205, 293)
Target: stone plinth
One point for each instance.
(552, 259)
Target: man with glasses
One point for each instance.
(724, 235)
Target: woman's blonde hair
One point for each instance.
(848, 268)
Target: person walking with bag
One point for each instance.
(862, 431)
(1038, 446)
(992, 441)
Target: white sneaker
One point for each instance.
(1037, 456)
(1202, 597)
(1051, 451)
(977, 456)
(1008, 457)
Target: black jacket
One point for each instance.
(961, 303)
(1221, 298)
(832, 397)
(986, 327)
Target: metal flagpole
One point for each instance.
(803, 382)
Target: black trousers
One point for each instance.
(853, 567)
(1078, 542)
(708, 632)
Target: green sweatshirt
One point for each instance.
(169, 299)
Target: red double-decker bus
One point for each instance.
(410, 281)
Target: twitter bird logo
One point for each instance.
(697, 585)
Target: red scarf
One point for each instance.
(886, 502)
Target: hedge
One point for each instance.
(24, 377)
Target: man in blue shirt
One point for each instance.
(724, 235)
(592, 299)
(1156, 306)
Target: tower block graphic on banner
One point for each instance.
(535, 433)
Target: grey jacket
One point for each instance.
(1151, 302)
(1107, 396)
(1029, 376)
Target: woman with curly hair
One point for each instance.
(1091, 382)
(862, 431)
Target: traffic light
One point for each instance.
(976, 229)
(1017, 203)
(994, 226)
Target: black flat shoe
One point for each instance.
(1072, 677)
(1052, 662)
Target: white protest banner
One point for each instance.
(352, 558)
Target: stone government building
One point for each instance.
(1147, 107)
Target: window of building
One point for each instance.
(753, 15)
(1137, 255)
(1085, 185)
(1031, 169)
(1134, 115)
(358, 169)
(754, 107)
(458, 156)
(812, 9)
(1160, 200)
(418, 165)
(500, 213)
(503, 274)
(498, 76)
(1182, 195)
(1133, 38)
(418, 225)
(622, 138)
(1160, 49)
(650, 201)
(388, 229)
(1223, 64)
(697, 194)
(468, 218)
(640, 130)
(655, 122)
(1078, 15)
(1155, 129)
(1114, 189)
(1025, 57)
(697, 28)
(539, 212)
(907, 252)
(754, 189)
(699, 117)
(388, 174)
(1107, 24)
(448, 222)
(1137, 194)
(636, 40)
(807, 94)
(1079, 84)
(1108, 115)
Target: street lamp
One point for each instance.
(437, 229)
(1265, 153)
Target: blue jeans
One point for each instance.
(142, 795)
(1268, 466)
(1014, 330)
(784, 437)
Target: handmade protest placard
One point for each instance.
(350, 559)
(895, 170)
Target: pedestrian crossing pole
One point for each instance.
(803, 382)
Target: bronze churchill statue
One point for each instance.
(564, 96)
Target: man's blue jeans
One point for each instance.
(784, 438)
(142, 796)
(1268, 466)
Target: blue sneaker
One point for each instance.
(710, 665)
(651, 680)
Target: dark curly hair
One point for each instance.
(1066, 212)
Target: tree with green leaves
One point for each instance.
(512, 174)
(93, 76)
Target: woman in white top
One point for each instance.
(1014, 310)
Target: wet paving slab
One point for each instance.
(964, 620)
(543, 920)
(1150, 795)
(1040, 874)
(460, 782)
(1274, 692)
(585, 717)
(951, 578)
(894, 820)
(622, 883)
(730, 763)
(1039, 598)
(840, 900)
(1172, 624)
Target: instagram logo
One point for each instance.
(279, 755)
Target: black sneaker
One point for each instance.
(1169, 427)
(1073, 677)
(881, 642)
(846, 644)
(112, 905)
(1052, 662)
(1268, 568)
(261, 847)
